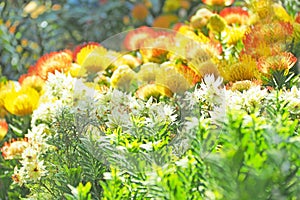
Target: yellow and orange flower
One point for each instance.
(135, 38)
(55, 61)
(21, 102)
(279, 62)
(235, 15)
(275, 36)
(3, 128)
(33, 81)
(14, 149)
(218, 2)
(157, 48)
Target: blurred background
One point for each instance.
(31, 28)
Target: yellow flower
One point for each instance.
(234, 34)
(218, 2)
(262, 8)
(5, 88)
(216, 23)
(153, 90)
(3, 128)
(148, 72)
(244, 69)
(281, 13)
(172, 79)
(21, 102)
(243, 85)
(96, 60)
(123, 77)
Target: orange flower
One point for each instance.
(218, 2)
(49, 63)
(165, 21)
(135, 38)
(297, 19)
(139, 12)
(86, 46)
(280, 62)
(235, 15)
(32, 80)
(14, 149)
(3, 128)
(156, 49)
(274, 36)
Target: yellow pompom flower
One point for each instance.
(244, 69)
(21, 102)
(123, 77)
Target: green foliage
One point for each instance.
(80, 193)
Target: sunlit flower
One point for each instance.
(3, 128)
(14, 149)
(218, 2)
(21, 102)
(235, 16)
(140, 12)
(280, 62)
(55, 61)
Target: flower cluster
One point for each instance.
(156, 103)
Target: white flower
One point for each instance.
(169, 113)
(211, 90)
